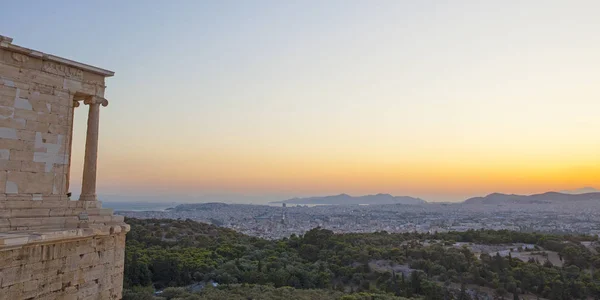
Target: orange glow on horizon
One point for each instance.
(313, 176)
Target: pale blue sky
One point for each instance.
(319, 97)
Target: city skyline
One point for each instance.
(432, 100)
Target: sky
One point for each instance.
(266, 100)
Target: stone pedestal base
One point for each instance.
(88, 198)
(63, 264)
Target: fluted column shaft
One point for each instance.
(88, 186)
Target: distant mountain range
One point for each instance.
(347, 200)
(584, 190)
(495, 199)
(545, 198)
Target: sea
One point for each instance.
(137, 206)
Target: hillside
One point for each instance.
(345, 199)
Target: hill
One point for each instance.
(345, 199)
(584, 190)
(545, 198)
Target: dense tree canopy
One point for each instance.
(172, 253)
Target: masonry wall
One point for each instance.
(51, 247)
(90, 268)
(36, 114)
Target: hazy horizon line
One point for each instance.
(265, 199)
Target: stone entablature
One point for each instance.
(38, 95)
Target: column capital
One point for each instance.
(95, 100)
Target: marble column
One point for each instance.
(88, 186)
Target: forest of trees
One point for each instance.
(162, 254)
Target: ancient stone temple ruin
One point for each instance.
(51, 246)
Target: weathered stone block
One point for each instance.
(29, 183)
(21, 155)
(37, 126)
(29, 115)
(26, 222)
(9, 203)
(8, 133)
(22, 103)
(49, 138)
(72, 85)
(60, 212)
(32, 212)
(37, 96)
(31, 166)
(58, 129)
(5, 154)
(48, 118)
(11, 144)
(8, 91)
(25, 135)
(12, 122)
(7, 111)
(46, 79)
(7, 100)
(40, 107)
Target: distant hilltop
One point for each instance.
(345, 199)
(495, 198)
(584, 190)
(545, 198)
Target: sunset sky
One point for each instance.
(273, 99)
